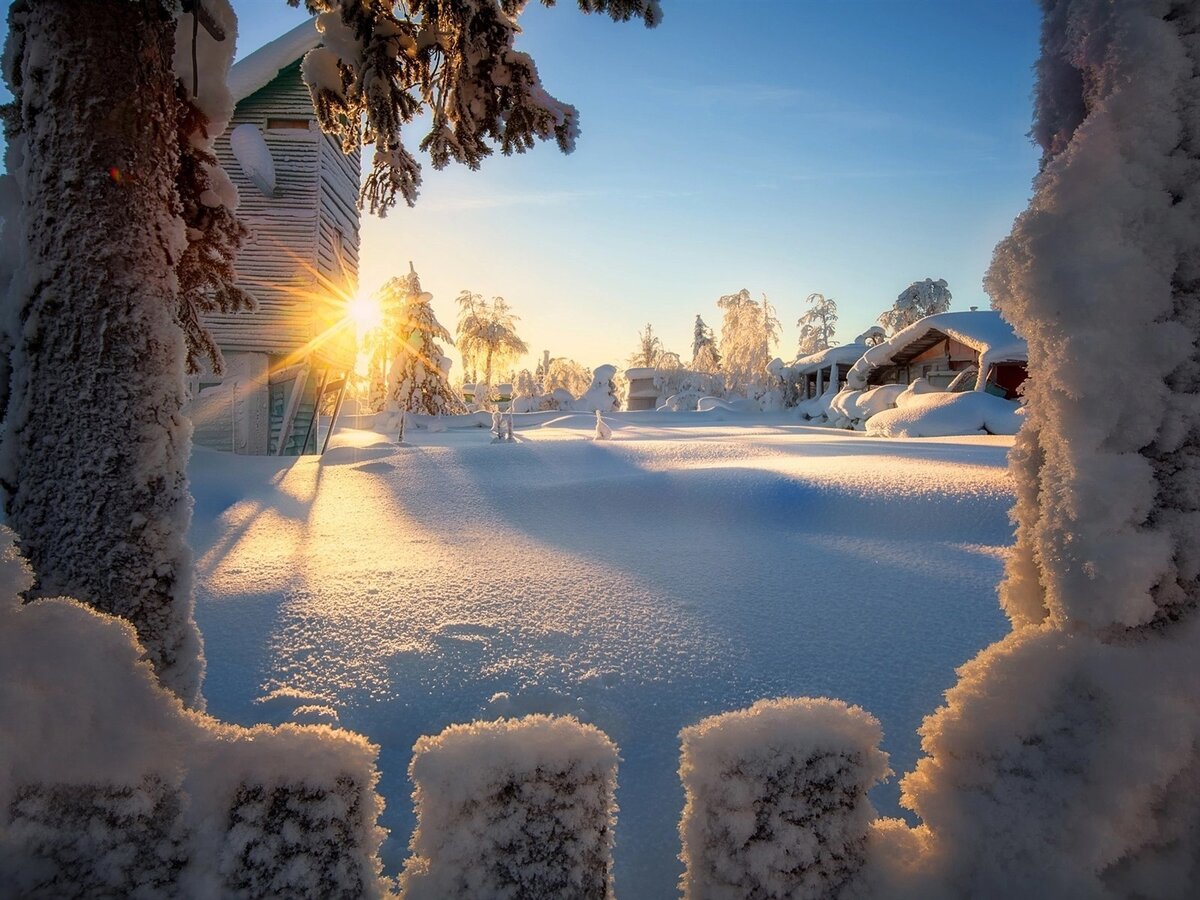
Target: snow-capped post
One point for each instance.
(513, 808)
(109, 788)
(776, 799)
(603, 429)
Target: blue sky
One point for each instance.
(784, 146)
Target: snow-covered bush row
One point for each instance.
(776, 799)
(109, 787)
(513, 808)
(940, 414)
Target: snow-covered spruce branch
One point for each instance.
(383, 63)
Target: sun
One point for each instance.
(365, 311)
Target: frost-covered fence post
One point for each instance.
(109, 788)
(776, 799)
(514, 808)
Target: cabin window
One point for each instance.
(288, 125)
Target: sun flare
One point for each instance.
(365, 311)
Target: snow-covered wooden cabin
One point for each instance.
(288, 359)
(976, 349)
(812, 374)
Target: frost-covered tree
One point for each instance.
(705, 356)
(487, 335)
(125, 234)
(915, 302)
(418, 372)
(568, 375)
(1028, 780)
(817, 325)
(649, 351)
(749, 331)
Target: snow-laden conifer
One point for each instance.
(384, 63)
(513, 808)
(417, 376)
(776, 799)
(817, 325)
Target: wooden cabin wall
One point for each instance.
(337, 248)
(276, 264)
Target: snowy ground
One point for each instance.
(692, 565)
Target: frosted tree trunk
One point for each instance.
(1065, 760)
(94, 446)
(1102, 276)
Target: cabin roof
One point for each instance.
(259, 69)
(844, 354)
(981, 330)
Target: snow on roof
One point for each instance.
(259, 69)
(846, 353)
(982, 330)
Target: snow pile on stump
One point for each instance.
(776, 799)
(513, 808)
(109, 787)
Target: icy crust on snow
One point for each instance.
(109, 787)
(982, 330)
(776, 799)
(1100, 275)
(259, 68)
(513, 808)
(940, 414)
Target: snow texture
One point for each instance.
(108, 787)
(94, 444)
(941, 413)
(1063, 766)
(982, 330)
(776, 799)
(513, 808)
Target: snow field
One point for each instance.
(691, 565)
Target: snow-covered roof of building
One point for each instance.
(259, 69)
(846, 353)
(982, 330)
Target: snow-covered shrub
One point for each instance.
(776, 799)
(108, 787)
(513, 808)
(938, 414)
(602, 395)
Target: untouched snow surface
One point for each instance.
(692, 565)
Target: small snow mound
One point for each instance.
(942, 414)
